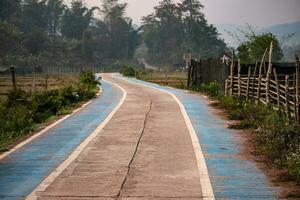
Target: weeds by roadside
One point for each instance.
(278, 138)
(22, 112)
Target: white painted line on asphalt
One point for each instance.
(206, 187)
(51, 178)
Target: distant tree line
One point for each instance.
(177, 28)
(49, 33)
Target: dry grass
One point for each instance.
(172, 79)
(25, 83)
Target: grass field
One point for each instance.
(25, 83)
(24, 112)
(172, 79)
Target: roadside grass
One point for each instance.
(23, 112)
(278, 138)
(172, 79)
(24, 82)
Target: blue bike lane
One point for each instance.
(23, 170)
(232, 176)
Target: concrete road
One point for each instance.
(144, 152)
(136, 141)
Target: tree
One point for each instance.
(174, 29)
(201, 39)
(88, 46)
(34, 16)
(8, 8)
(163, 32)
(121, 38)
(76, 19)
(35, 41)
(254, 47)
(55, 9)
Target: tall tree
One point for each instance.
(34, 15)
(76, 19)
(163, 32)
(55, 9)
(121, 37)
(8, 8)
(253, 48)
(177, 28)
(88, 46)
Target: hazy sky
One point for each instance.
(255, 12)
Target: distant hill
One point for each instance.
(279, 30)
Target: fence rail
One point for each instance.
(281, 91)
(34, 82)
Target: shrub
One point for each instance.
(128, 71)
(22, 111)
(88, 79)
(278, 139)
(212, 89)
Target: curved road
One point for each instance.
(137, 141)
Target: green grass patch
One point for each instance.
(278, 137)
(23, 112)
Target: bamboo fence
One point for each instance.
(281, 91)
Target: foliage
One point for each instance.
(76, 19)
(128, 71)
(22, 111)
(62, 35)
(277, 137)
(255, 45)
(212, 89)
(174, 29)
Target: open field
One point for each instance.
(42, 82)
(172, 79)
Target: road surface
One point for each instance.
(136, 141)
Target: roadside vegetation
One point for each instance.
(172, 79)
(23, 112)
(277, 137)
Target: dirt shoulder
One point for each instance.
(288, 188)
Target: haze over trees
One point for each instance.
(50, 34)
(173, 29)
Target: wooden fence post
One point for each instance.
(253, 81)
(166, 78)
(189, 75)
(269, 74)
(33, 86)
(46, 82)
(294, 92)
(248, 82)
(297, 90)
(13, 78)
(231, 77)
(287, 94)
(239, 78)
(277, 88)
(260, 74)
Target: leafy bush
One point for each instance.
(22, 111)
(212, 89)
(128, 71)
(87, 78)
(278, 138)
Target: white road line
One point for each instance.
(206, 187)
(51, 178)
